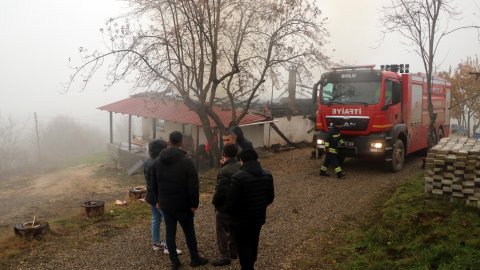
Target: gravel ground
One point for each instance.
(304, 203)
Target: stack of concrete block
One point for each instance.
(452, 171)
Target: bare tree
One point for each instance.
(202, 50)
(11, 151)
(423, 24)
(465, 95)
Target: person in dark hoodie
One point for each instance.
(154, 149)
(175, 185)
(242, 142)
(225, 238)
(251, 192)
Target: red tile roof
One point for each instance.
(171, 110)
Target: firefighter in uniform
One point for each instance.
(332, 141)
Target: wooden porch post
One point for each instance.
(129, 132)
(154, 127)
(111, 127)
(196, 148)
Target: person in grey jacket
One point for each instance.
(251, 192)
(225, 238)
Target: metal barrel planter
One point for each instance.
(94, 208)
(31, 229)
(137, 193)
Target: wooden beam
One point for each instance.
(129, 132)
(196, 148)
(111, 127)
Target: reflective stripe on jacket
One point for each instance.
(333, 140)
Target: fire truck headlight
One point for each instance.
(320, 143)
(377, 145)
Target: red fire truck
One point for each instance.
(384, 112)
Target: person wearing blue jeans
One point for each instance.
(157, 218)
(154, 149)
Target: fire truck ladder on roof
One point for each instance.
(354, 67)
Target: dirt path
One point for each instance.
(304, 204)
(55, 194)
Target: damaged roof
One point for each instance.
(171, 110)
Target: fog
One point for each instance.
(39, 38)
(40, 41)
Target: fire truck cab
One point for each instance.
(384, 112)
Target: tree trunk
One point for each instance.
(431, 114)
(476, 125)
(469, 115)
(207, 130)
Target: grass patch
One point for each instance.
(12, 183)
(114, 216)
(409, 232)
(88, 159)
(70, 232)
(28, 174)
(121, 175)
(74, 231)
(94, 158)
(208, 180)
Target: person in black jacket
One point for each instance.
(332, 141)
(251, 192)
(242, 142)
(175, 184)
(225, 238)
(154, 148)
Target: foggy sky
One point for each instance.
(38, 37)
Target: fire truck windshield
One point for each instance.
(350, 93)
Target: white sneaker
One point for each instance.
(157, 247)
(165, 251)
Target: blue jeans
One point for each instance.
(157, 217)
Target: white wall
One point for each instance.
(294, 129)
(169, 126)
(255, 134)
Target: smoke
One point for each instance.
(11, 152)
(62, 139)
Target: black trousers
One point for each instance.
(247, 245)
(186, 222)
(331, 160)
(226, 241)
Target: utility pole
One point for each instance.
(271, 103)
(276, 85)
(38, 136)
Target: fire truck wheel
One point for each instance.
(398, 156)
